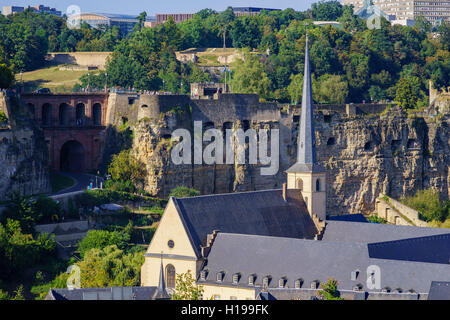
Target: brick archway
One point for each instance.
(72, 156)
(65, 117)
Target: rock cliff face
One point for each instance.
(23, 154)
(365, 153)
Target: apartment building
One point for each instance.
(408, 9)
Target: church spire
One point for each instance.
(306, 143)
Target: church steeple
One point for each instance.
(306, 143)
(306, 147)
(306, 175)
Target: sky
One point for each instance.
(159, 6)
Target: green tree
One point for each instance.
(142, 18)
(225, 20)
(125, 167)
(326, 10)
(186, 288)
(6, 77)
(249, 76)
(408, 92)
(110, 267)
(100, 239)
(295, 88)
(332, 89)
(22, 210)
(423, 24)
(183, 192)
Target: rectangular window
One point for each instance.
(217, 297)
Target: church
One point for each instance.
(282, 244)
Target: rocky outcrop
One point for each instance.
(392, 154)
(23, 155)
(365, 155)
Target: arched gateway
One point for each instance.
(72, 157)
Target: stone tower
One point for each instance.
(306, 174)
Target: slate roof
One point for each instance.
(348, 217)
(112, 293)
(432, 249)
(439, 291)
(302, 167)
(312, 260)
(342, 231)
(257, 213)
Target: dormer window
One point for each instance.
(251, 280)
(236, 277)
(282, 282)
(315, 284)
(220, 275)
(354, 275)
(203, 274)
(266, 281)
(298, 283)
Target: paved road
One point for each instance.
(82, 181)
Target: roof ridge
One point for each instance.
(421, 238)
(227, 194)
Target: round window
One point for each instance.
(171, 244)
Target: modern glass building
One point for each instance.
(125, 23)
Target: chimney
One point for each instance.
(284, 192)
(209, 242)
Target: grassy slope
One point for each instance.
(51, 77)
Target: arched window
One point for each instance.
(97, 114)
(299, 184)
(170, 276)
(318, 185)
(80, 113)
(30, 107)
(47, 114)
(64, 114)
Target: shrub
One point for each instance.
(376, 219)
(123, 186)
(100, 239)
(41, 289)
(329, 290)
(111, 267)
(428, 204)
(183, 192)
(3, 118)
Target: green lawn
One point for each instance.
(60, 182)
(52, 77)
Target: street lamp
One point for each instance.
(164, 88)
(106, 81)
